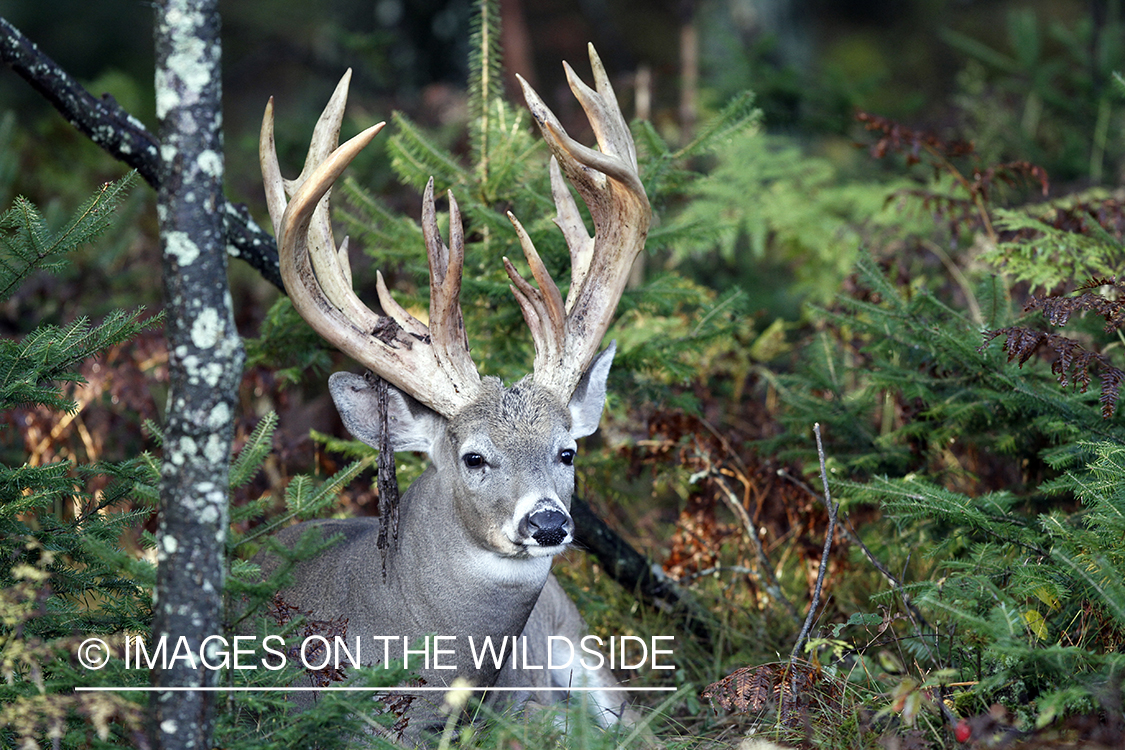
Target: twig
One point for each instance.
(824, 554)
(124, 138)
(773, 586)
(718, 569)
(916, 616)
(385, 473)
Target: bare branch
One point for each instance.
(125, 138)
(824, 553)
(772, 585)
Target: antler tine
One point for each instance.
(543, 307)
(318, 278)
(568, 219)
(326, 134)
(447, 324)
(609, 183)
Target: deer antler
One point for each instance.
(432, 364)
(567, 337)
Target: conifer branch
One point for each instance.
(485, 85)
(27, 243)
(125, 138)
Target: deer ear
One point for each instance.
(589, 397)
(413, 427)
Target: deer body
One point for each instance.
(477, 531)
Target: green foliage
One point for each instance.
(767, 203)
(28, 368)
(286, 344)
(1045, 252)
(64, 571)
(75, 567)
(1008, 486)
(486, 83)
(416, 157)
(263, 718)
(1092, 545)
(571, 726)
(1048, 96)
(1036, 600)
(27, 243)
(919, 382)
(998, 493)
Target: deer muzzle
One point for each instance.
(545, 529)
(549, 527)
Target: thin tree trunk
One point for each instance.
(205, 365)
(516, 42)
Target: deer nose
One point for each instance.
(548, 527)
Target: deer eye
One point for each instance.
(473, 460)
(566, 455)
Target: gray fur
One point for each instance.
(465, 563)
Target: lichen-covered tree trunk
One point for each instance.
(205, 363)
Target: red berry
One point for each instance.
(962, 731)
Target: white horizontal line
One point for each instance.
(349, 689)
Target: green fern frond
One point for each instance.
(1052, 256)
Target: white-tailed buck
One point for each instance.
(478, 529)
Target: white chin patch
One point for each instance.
(533, 548)
(510, 569)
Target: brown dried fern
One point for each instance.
(1071, 362)
(1059, 309)
(975, 180)
(282, 612)
(787, 687)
